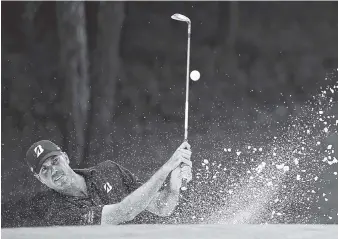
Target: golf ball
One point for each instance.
(195, 75)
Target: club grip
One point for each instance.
(184, 184)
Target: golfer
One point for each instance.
(106, 193)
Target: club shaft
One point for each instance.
(187, 86)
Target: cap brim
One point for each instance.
(54, 153)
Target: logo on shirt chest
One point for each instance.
(107, 187)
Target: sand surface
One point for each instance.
(177, 231)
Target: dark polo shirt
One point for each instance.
(107, 183)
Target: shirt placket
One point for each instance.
(95, 199)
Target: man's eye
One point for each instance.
(55, 160)
(43, 169)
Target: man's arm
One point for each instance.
(140, 198)
(136, 202)
(165, 200)
(164, 203)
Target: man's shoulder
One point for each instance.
(112, 169)
(107, 165)
(103, 169)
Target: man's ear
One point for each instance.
(38, 177)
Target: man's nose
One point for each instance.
(53, 170)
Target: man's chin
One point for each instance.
(61, 181)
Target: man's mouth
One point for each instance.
(57, 178)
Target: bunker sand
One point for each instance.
(274, 231)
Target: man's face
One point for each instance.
(55, 172)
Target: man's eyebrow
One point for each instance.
(54, 156)
(50, 158)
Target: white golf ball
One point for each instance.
(195, 75)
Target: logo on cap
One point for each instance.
(38, 150)
(107, 187)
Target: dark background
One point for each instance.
(106, 80)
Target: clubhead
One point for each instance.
(180, 17)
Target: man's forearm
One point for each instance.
(136, 202)
(164, 203)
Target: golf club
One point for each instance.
(182, 18)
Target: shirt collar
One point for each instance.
(87, 172)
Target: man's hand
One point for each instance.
(181, 155)
(177, 175)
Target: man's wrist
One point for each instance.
(165, 170)
(173, 191)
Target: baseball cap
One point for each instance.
(39, 152)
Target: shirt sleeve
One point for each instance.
(70, 215)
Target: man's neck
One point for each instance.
(77, 188)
